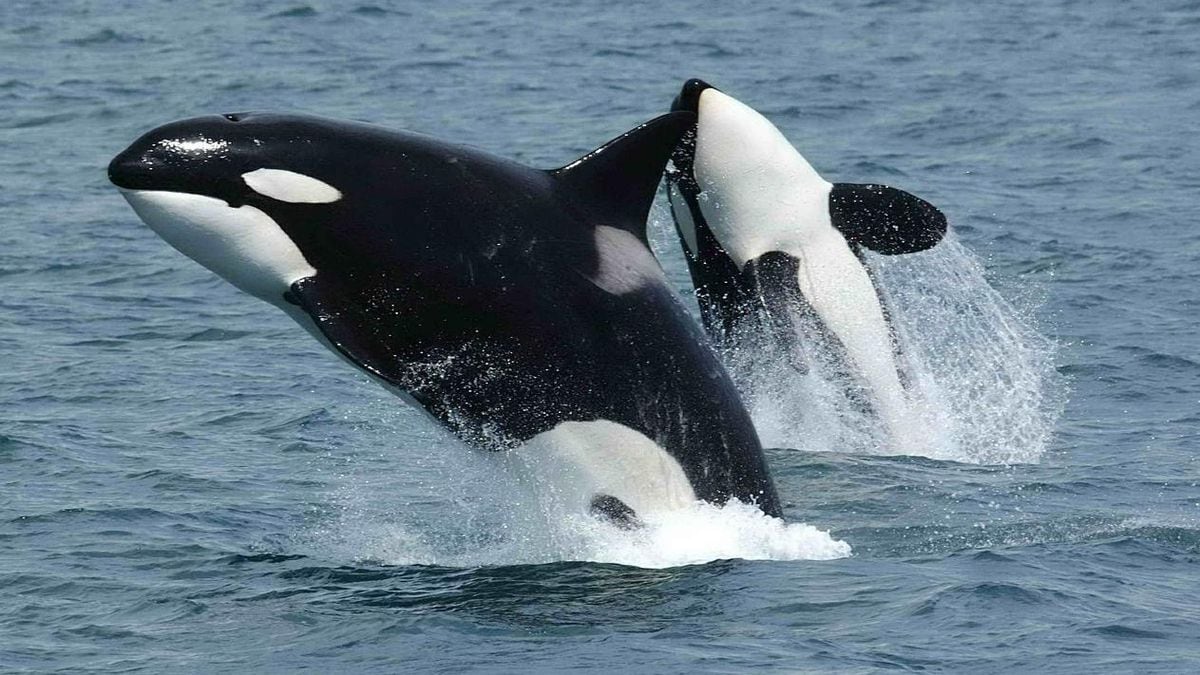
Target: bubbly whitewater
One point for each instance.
(981, 378)
(503, 512)
(700, 534)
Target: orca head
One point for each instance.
(737, 168)
(740, 191)
(745, 171)
(733, 168)
(216, 187)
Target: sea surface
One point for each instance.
(189, 483)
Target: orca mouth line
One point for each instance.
(131, 173)
(125, 191)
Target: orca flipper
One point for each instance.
(884, 219)
(615, 511)
(346, 328)
(616, 182)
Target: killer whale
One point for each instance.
(765, 237)
(520, 308)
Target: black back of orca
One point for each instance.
(504, 299)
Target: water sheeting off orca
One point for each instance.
(766, 238)
(521, 308)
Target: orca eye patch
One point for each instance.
(291, 187)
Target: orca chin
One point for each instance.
(767, 238)
(520, 308)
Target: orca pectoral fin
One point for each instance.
(346, 327)
(884, 219)
(615, 511)
(617, 181)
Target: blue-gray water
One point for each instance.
(189, 483)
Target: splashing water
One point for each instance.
(487, 509)
(982, 384)
(995, 373)
(981, 380)
(700, 534)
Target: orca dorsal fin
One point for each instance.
(617, 181)
(884, 219)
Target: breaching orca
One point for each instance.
(521, 308)
(766, 237)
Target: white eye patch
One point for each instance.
(291, 187)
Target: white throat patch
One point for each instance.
(759, 194)
(244, 246)
(291, 187)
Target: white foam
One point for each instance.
(436, 502)
(694, 535)
(982, 383)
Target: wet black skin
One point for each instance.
(464, 279)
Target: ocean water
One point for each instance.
(189, 483)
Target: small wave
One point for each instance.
(1091, 143)
(106, 515)
(216, 335)
(12, 444)
(1117, 630)
(615, 51)
(989, 594)
(377, 11)
(40, 120)
(101, 632)
(297, 12)
(103, 37)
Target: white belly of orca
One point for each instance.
(837, 286)
(575, 462)
(760, 195)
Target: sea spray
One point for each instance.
(976, 358)
(488, 509)
(526, 535)
(980, 378)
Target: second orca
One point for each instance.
(766, 237)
